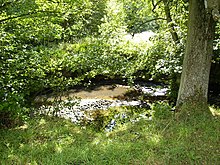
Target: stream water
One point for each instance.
(108, 92)
(75, 103)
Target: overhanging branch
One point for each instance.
(154, 19)
(28, 14)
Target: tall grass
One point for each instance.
(163, 140)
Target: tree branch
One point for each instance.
(26, 14)
(155, 5)
(170, 22)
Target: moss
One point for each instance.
(192, 109)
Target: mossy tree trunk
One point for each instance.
(198, 54)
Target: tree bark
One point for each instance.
(198, 53)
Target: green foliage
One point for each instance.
(191, 110)
(114, 118)
(162, 110)
(113, 26)
(54, 45)
(216, 57)
(138, 16)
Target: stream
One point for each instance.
(78, 104)
(75, 104)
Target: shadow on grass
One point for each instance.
(161, 141)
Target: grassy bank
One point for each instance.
(52, 141)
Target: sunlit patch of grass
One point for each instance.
(215, 111)
(162, 140)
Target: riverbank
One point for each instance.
(54, 141)
(73, 104)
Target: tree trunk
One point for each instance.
(197, 59)
(170, 21)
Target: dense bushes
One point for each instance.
(29, 70)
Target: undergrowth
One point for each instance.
(162, 140)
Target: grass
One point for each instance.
(53, 141)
